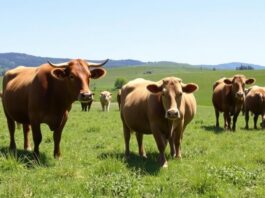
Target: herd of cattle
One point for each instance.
(44, 94)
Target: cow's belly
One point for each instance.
(17, 115)
(16, 107)
(136, 119)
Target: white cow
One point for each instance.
(105, 99)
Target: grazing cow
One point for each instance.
(44, 94)
(162, 108)
(228, 97)
(119, 98)
(86, 102)
(105, 99)
(255, 102)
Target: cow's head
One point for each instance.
(75, 76)
(238, 85)
(171, 90)
(106, 95)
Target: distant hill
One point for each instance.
(233, 66)
(11, 60)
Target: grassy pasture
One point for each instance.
(215, 163)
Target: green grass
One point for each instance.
(215, 163)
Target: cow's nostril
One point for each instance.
(173, 113)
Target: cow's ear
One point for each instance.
(189, 88)
(227, 81)
(98, 73)
(154, 88)
(58, 73)
(250, 81)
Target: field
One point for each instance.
(215, 163)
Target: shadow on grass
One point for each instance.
(213, 129)
(147, 165)
(25, 157)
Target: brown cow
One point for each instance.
(44, 94)
(228, 97)
(255, 102)
(86, 102)
(119, 98)
(105, 99)
(161, 108)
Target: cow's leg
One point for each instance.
(246, 119)
(88, 107)
(127, 137)
(226, 115)
(139, 137)
(172, 146)
(57, 136)
(217, 118)
(108, 105)
(102, 105)
(26, 130)
(178, 130)
(234, 120)
(161, 145)
(11, 128)
(37, 137)
(227, 121)
(256, 116)
(82, 106)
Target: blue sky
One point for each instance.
(189, 31)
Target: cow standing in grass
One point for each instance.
(86, 102)
(228, 97)
(161, 108)
(44, 94)
(105, 99)
(255, 103)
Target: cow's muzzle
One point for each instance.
(173, 114)
(240, 95)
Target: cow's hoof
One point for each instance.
(57, 156)
(13, 151)
(164, 165)
(28, 148)
(173, 155)
(127, 156)
(144, 156)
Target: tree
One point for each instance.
(119, 82)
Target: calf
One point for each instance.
(255, 103)
(228, 97)
(161, 108)
(105, 99)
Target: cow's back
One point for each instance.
(16, 87)
(134, 105)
